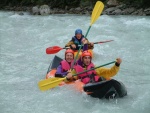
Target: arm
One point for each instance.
(70, 76)
(90, 45)
(59, 73)
(108, 72)
(87, 44)
(69, 43)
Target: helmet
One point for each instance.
(69, 51)
(78, 31)
(86, 53)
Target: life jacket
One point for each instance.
(77, 42)
(65, 65)
(86, 77)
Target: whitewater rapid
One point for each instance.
(23, 62)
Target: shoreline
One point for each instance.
(121, 9)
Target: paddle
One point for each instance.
(56, 49)
(98, 8)
(103, 42)
(53, 82)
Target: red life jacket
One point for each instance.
(85, 77)
(65, 65)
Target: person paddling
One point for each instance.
(94, 75)
(76, 41)
(65, 65)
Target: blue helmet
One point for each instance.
(78, 31)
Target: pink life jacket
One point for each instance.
(65, 65)
(85, 77)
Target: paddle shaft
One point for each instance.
(93, 43)
(103, 41)
(94, 68)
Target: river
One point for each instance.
(23, 62)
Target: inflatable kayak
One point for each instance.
(104, 89)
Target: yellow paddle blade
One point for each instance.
(99, 6)
(50, 83)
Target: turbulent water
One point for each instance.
(23, 62)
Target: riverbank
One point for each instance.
(119, 9)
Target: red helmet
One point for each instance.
(69, 51)
(86, 53)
